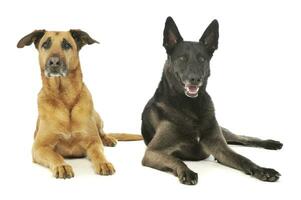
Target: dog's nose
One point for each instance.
(195, 80)
(54, 61)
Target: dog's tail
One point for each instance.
(125, 136)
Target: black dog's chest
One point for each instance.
(185, 117)
(189, 148)
(190, 127)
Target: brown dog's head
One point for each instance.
(58, 51)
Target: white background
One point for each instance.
(255, 84)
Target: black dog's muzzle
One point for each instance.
(191, 84)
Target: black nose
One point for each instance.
(54, 61)
(195, 80)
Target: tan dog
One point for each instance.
(68, 125)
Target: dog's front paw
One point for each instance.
(63, 171)
(109, 141)
(265, 174)
(272, 144)
(188, 177)
(105, 168)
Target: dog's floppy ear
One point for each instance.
(171, 35)
(33, 37)
(210, 37)
(81, 38)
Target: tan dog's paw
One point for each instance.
(104, 168)
(63, 171)
(109, 141)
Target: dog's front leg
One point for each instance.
(164, 162)
(96, 154)
(216, 145)
(50, 126)
(46, 156)
(159, 154)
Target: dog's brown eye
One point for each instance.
(182, 58)
(66, 45)
(201, 59)
(47, 44)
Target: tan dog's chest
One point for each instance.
(71, 145)
(74, 122)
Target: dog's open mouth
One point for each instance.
(191, 90)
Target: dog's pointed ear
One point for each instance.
(171, 35)
(81, 38)
(210, 37)
(33, 37)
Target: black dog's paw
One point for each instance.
(265, 174)
(188, 177)
(272, 144)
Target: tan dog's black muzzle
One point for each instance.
(55, 67)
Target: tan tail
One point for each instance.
(125, 136)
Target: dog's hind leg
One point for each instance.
(37, 127)
(216, 145)
(232, 138)
(106, 139)
(110, 139)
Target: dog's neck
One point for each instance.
(65, 88)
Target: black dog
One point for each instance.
(179, 123)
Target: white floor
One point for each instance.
(132, 181)
(255, 86)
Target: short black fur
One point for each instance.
(178, 122)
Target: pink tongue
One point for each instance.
(192, 88)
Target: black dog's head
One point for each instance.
(188, 62)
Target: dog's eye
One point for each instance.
(182, 58)
(201, 59)
(47, 44)
(66, 45)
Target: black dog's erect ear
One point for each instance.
(210, 37)
(81, 38)
(171, 35)
(33, 37)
